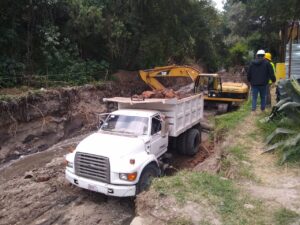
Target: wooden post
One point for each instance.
(290, 48)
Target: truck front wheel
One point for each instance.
(147, 176)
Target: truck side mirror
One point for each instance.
(164, 128)
(100, 123)
(101, 119)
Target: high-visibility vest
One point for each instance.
(273, 66)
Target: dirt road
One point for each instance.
(33, 191)
(277, 186)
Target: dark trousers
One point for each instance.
(262, 90)
(268, 93)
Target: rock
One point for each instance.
(169, 93)
(42, 178)
(137, 221)
(17, 153)
(28, 175)
(246, 163)
(249, 206)
(148, 94)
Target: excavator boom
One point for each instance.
(149, 76)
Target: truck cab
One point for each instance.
(110, 161)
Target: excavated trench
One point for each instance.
(36, 130)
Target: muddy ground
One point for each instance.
(36, 130)
(33, 190)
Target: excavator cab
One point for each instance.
(209, 84)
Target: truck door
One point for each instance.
(159, 144)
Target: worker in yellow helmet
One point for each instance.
(268, 57)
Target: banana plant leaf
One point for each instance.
(277, 132)
(289, 106)
(290, 152)
(274, 147)
(296, 86)
(282, 101)
(292, 141)
(286, 144)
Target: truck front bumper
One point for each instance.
(107, 189)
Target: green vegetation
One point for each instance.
(282, 128)
(229, 121)
(79, 41)
(283, 143)
(179, 221)
(236, 163)
(255, 24)
(220, 193)
(285, 217)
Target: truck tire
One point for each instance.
(181, 143)
(192, 141)
(148, 174)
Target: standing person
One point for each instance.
(259, 73)
(268, 57)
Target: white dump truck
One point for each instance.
(122, 157)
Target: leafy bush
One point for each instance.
(238, 53)
(286, 116)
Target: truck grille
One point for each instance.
(92, 166)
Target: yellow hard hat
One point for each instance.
(268, 56)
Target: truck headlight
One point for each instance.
(69, 164)
(128, 176)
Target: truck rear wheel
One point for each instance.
(192, 142)
(147, 176)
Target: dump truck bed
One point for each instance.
(181, 114)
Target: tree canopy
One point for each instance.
(77, 39)
(62, 37)
(256, 24)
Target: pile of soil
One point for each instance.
(234, 74)
(33, 121)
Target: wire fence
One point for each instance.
(49, 80)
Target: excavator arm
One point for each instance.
(150, 76)
(210, 84)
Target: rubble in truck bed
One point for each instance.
(184, 92)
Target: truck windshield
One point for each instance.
(126, 124)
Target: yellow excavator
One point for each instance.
(224, 94)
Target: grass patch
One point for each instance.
(285, 216)
(180, 221)
(236, 163)
(219, 192)
(229, 121)
(239, 152)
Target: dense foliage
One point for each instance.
(250, 25)
(284, 122)
(79, 40)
